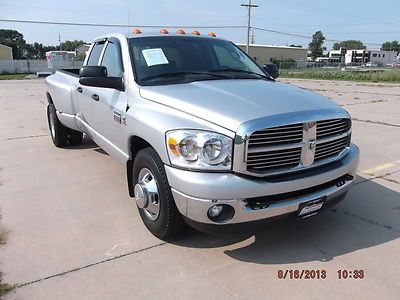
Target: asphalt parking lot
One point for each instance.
(74, 233)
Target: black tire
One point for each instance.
(60, 133)
(75, 137)
(169, 221)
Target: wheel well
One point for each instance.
(49, 99)
(135, 145)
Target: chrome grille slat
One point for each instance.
(274, 157)
(330, 150)
(260, 135)
(281, 149)
(276, 141)
(334, 129)
(324, 146)
(329, 121)
(277, 134)
(265, 164)
(328, 154)
(275, 165)
(274, 147)
(287, 127)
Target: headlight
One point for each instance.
(195, 149)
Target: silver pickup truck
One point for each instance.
(207, 136)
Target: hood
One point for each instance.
(229, 103)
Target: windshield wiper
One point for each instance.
(173, 74)
(240, 71)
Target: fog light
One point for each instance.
(215, 211)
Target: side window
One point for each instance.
(112, 60)
(95, 54)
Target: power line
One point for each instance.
(117, 25)
(170, 26)
(303, 36)
(323, 10)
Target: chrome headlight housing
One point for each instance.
(201, 150)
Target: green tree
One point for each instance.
(71, 45)
(349, 44)
(316, 45)
(391, 46)
(13, 39)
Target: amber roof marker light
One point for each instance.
(136, 31)
(180, 31)
(164, 31)
(212, 34)
(196, 32)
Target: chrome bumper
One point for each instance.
(196, 192)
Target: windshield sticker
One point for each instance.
(154, 57)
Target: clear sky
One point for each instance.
(372, 22)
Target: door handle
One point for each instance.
(95, 97)
(79, 89)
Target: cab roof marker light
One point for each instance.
(196, 32)
(164, 31)
(180, 31)
(212, 34)
(136, 31)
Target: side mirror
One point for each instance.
(97, 76)
(272, 70)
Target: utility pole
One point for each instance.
(249, 7)
(252, 37)
(59, 40)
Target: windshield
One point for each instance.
(161, 60)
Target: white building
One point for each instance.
(357, 56)
(384, 57)
(337, 56)
(379, 57)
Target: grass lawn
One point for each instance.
(12, 76)
(4, 287)
(392, 76)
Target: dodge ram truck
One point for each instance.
(207, 136)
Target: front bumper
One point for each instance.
(196, 192)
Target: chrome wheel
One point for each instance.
(52, 126)
(147, 194)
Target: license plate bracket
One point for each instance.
(310, 208)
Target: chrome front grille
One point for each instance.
(328, 128)
(277, 136)
(295, 146)
(263, 161)
(331, 148)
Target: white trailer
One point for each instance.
(60, 59)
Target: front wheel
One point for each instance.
(153, 196)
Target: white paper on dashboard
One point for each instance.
(154, 57)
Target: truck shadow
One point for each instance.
(87, 143)
(369, 216)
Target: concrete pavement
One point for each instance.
(76, 234)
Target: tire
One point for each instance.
(169, 222)
(74, 137)
(58, 132)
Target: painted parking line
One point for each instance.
(384, 166)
